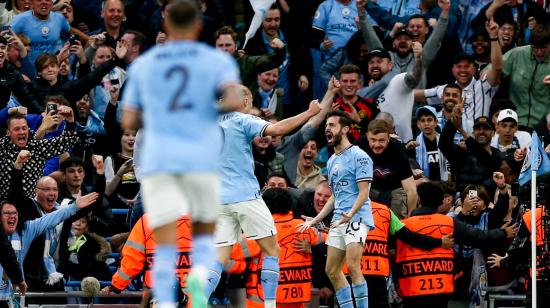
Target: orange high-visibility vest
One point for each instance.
(420, 272)
(137, 254)
(540, 237)
(295, 266)
(375, 260)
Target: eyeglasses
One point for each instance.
(9, 214)
(47, 189)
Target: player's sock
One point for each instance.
(270, 280)
(203, 255)
(164, 280)
(214, 276)
(343, 295)
(361, 293)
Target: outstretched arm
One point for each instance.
(287, 125)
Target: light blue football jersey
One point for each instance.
(43, 34)
(345, 169)
(238, 182)
(176, 86)
(338, 22)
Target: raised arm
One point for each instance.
(326, 103)
(413, 78)
(369, 36)
(434, 41)
(495, 70)
(287, 125)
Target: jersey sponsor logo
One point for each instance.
(295, 275)
(337, 187)
(423, 267)
(342, 28)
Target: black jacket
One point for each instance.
(11, 80)
(473, 165)
(72, 90)
(8, 259)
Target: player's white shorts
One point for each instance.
(252, 217)
(167, 197)
(341, 236)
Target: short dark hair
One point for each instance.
(430, 194)
(58, 99)
(278, 200)
(540, 35)
(378, 126)
(343, 118)
(72, 161)
(139, 39)
(452, 86)
(279, 175)
(44, 60)
(349, 69)
(226, 30)
(182, 13)
(416, 16)
(15, 116)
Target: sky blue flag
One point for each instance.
(537, 160)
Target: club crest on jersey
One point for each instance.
(45, 31)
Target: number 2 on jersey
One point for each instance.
(175, 104)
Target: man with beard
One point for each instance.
(476, 163)
(416, 30)
(350, 173)
(91, 131)
(397, 97)
(481, 46)
(393, 182)
(477, 93)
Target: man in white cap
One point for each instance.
(507, 137)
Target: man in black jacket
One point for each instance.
(476, 163)
(11, 81)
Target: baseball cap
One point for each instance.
(507, 114)
(378, 52)
(464, 56)
(483, 121)
(426, 110)
(403, 31)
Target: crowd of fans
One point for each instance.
(444, 91)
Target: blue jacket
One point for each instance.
(21, 240)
